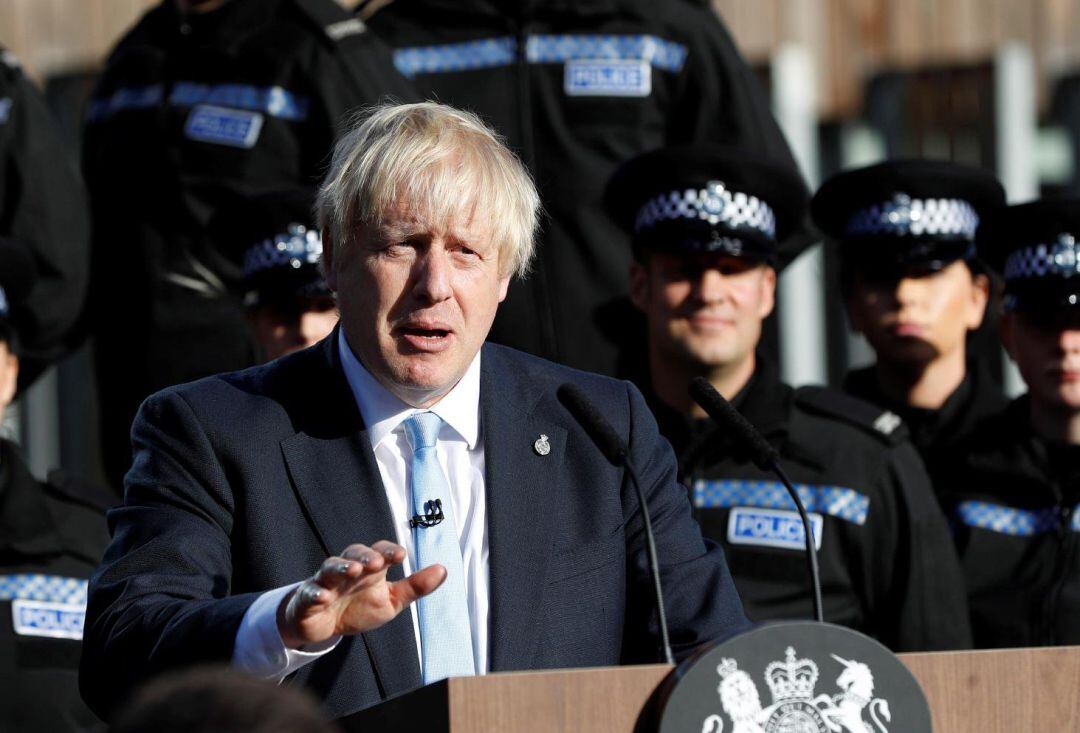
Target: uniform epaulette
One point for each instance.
(336, 23)
(82, 492)
(883, 424)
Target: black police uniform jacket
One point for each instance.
(888, 567)
(1014, 500)
(577, 87)
(52, 535)
(192, 112)
(936, 433)
(43, 205)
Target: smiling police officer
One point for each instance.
(1013, 487)
(705, 223)
(916, 290)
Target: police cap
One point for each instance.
(279, 243)
(906, 214)
(706, 198)
(1035, 248)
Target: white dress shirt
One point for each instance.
(259, 649)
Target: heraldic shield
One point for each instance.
(794, 677)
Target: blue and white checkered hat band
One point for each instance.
(5, 307)
(836, 501)
(489, 53)
(715, 204)
(296, 247)
(1061, 259)
(1013, 521)
(48, 588)
(905, 216)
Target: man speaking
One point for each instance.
(282, 517)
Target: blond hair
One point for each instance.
(440, 163)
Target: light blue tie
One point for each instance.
(445, 632)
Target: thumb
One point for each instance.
(417, 585)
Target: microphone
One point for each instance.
(611, 445)
(765, 457)
(433, 514)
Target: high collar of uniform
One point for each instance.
(233, 20)
(27, 527)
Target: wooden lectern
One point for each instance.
(992, 691)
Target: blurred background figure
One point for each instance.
(198, 103)
(43, 206)
(705, 225)
(289, 306)
(577, 88)
(1013, 487)
(220, 700)
(915, 288)
(52, 536)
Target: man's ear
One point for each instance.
(327, 260)
(639, 285)
(9, 376)
(768, 291)
(980, 296)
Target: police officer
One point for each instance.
(289, 305)
(52, 535)
(916, 290)
(199, 103)
(1013, 487)
(705, 223)
(43, 206)
(577, 87)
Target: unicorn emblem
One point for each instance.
(844, 712)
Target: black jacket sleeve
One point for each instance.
(43, 204)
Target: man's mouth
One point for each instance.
(424, 336)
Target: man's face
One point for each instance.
(417, 300)
(920, 316)
(1046, 349)
(285, 327)
(703, 310)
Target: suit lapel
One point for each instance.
(337, 480)
(521, 485)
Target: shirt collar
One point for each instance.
(383, 412)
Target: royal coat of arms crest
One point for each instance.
(795, 708)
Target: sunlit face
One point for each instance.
(1046, 349)
(417, 300)
(916, 319)
(9, 376)
(703, 310)
(284, 328)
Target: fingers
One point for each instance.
(417, 585)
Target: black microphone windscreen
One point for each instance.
(598, 428)
(760, 451)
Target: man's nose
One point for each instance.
(712, 285)
(432, 276)
(907, 290)
(1069, 340)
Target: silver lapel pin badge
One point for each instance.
(542, 446)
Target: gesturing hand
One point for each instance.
(350, 594)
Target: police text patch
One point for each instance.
(607, 78)
(223, 126)
(49, 619)
(771, 528)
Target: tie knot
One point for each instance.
(422, 429)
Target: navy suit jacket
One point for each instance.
(246, 482)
